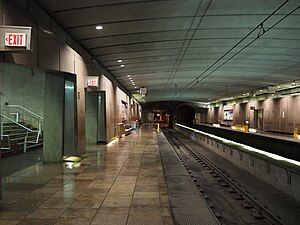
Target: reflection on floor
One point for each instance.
(119, 184)
(15, 163)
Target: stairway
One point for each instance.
(14, 138)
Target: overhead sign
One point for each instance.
(15, 39)
(92, 81)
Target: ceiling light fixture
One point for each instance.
(120, 60)
(99, 27)
(128, 75)
(122, 65)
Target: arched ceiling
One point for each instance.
(188, 50)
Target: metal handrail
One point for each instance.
(11, 120)
(35, 116)
(26, 110)
(26, 136)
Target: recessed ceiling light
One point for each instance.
(120, 60)
(135, 87)
(99, 27)
(122, 65)
(278, 86)
(128, 75)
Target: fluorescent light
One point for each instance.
(120, 60)
(122, 65)
(294, 94)
(128, 75)
(99, 27)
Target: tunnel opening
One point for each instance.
(163, 116)
(185, 115)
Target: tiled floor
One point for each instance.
(119, 184)
(20, 161)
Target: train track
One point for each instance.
(231, 203)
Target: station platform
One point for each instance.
(121, 183)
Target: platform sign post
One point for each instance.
(296, 133)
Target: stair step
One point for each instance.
(22, 138)
(17, 134)
(14, 130)
(34, 145)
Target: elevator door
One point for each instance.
(70, 119)
(95, 117)
(101, 117)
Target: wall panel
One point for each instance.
(278, 114)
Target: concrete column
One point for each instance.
(53, 122)
(0, 148)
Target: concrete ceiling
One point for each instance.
(188, 50)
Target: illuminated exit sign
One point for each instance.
(92, 81)
(15, 39)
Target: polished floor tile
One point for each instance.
(117, 184)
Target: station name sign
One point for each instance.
(15, 38)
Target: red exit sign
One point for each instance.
(15, 39)
(93, 82)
